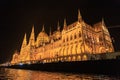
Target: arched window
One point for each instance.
(60, 52)
(79, 34)
(63, 53)
(71, 49)
(84, 57)
(100, 38)
(75, 36)
(71, 37)
(67, 51)
(76, 49)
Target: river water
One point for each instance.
(19, 74)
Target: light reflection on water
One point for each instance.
(18, 74)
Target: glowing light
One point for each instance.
(70, 44)
(20, 64)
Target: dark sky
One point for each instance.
(18, 16)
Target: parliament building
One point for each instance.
(75, 42)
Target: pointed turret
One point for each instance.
(24, 44)
(43, 29)
(65, 24)
(103, 25)
(79, 16)
(32, 37)
(58, 26)
(50, 32)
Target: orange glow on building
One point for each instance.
(71, 44)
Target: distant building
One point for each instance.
(71, 44)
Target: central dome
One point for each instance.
(43, 34)
(42, 38)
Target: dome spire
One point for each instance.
(24, 41)
(79, 16)
(65, 24)
(42, 38)
(103, 21)
(50, 31)
(103, 25)
(43, 29)
(58, 26)
(32, 37)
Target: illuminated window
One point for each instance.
(66, 39)
(84, 57)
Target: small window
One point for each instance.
(79, 34)
(75, 36)
(67, 39)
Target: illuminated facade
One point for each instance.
(75, 42)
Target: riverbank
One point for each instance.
(92, 66)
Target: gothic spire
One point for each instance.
(43, 29)
(50, 31)
(58, 26)
(103, 25)
(103, 21)
(24, 41)
(79, 16)
(32, 37)
(65, 24)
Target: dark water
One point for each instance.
(18, 74)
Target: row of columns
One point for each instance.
(67, 58)
(70, 50)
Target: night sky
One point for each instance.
(18, 16)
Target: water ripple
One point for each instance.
(18, 74)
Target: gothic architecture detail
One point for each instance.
(76, 41)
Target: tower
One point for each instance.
(24, 43)
(103, 26)
(106, 38)
(50, 32)
(43, 29)
(32, 37)
(23, 49)
(58, 26)
(65, 25)
(79, 16)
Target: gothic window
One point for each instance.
(71, 37)
(67, 51)
(76, 49)
(71, 49)
(84, 57)
(79, 34)
(66, 39)
(75, 36)
(100, 38)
